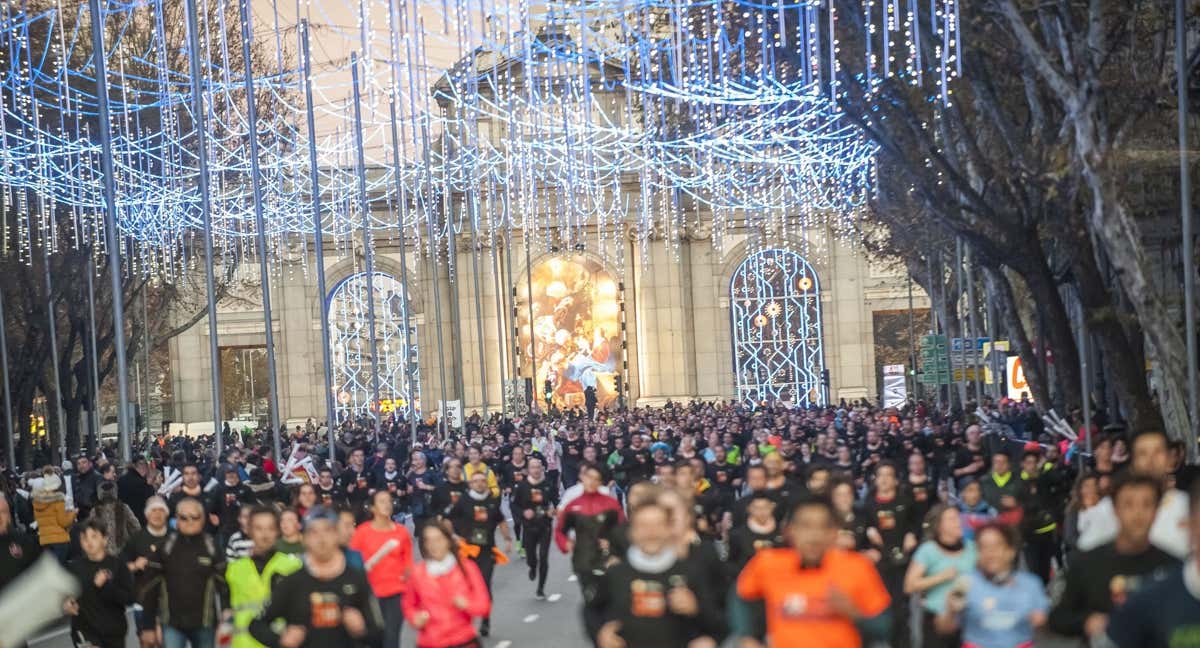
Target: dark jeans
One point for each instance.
(197, 637)
(593, 615)
(486, 561)
(537, 549)
(930, 637)
(60, 551)
(893, 580)
(393, 620)
(1039, 553)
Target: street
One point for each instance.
(518, 620)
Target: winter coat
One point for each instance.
(434, 595)
(50, 512)
(118, 520)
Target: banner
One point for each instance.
(451, 413)
(895, 391)
(1015, 379)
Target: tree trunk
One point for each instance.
(1020, 339)
(1056, 327)
(1124, 361)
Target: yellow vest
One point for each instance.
(249, 591)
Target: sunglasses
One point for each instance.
(189, 518)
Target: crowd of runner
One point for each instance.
(687, 525)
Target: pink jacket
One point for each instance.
(447, 625)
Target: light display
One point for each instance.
(351, 353)
(575, 330)
(775, 306)
(715, 108)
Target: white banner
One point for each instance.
(451, 413)
(895, 389)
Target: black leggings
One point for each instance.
(537, 549)
(486, 561)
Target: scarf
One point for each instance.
(651, 564)
(441, 567)
(950, 548)
(478, 497)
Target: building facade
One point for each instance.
(642, 320)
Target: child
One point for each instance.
(98, 615)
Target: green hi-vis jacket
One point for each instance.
(249, 591)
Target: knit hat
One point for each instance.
(156, 502)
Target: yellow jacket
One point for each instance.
(53, 519)
(249, 591)
(493, 485)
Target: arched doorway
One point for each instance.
(575, 337)
(350, 346)
(775, 305)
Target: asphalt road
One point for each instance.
(518, 619)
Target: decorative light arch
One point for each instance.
(775, 306)
(350, 342)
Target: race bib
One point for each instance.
(326, 613)
(648, 599)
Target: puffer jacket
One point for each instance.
(50, 512)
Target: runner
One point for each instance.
(324, 605)
(387, 549)
(476, 518)
(252, 578)
(445, 594)
(535, 500)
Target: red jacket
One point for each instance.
(434, 595)
(386, 569)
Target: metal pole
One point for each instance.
(973, 317)
(502, 363)
(52, 332)
(912, 343)
(110, 229)
(93, 360)
(962, 325)
(1084, 381)
(456, 327)
(198, 115)
(146, 359)
(1185, 215)
(402, 203)
(318, 241)
(368, 253)
(532, 328)
(934, 286)
(260, 234)
(9, 440)
(483, 375)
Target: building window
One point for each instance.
(351, 353)
(775, 306)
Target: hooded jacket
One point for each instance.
(50, 511)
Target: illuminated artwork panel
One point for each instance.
(351, 353)
(576, 323)
(775, 306)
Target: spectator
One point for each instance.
(119, 523)
(50, 512)
(133, 488)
